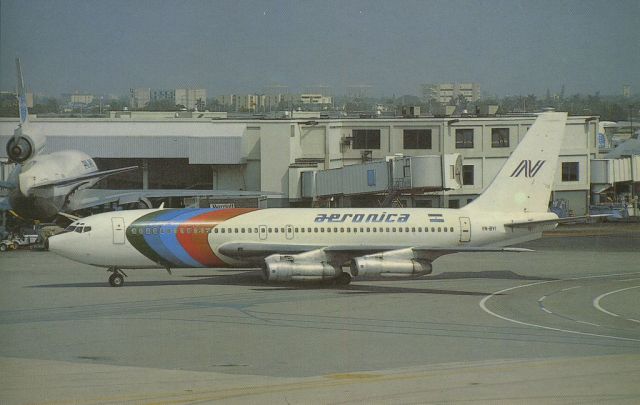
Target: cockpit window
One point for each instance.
(79, 229)
(87, 229)
(70, 228)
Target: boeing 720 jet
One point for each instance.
(330, 244)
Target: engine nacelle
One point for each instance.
(378, 266)
(310, 266)
(24, 145)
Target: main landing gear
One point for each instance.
(116, 279)
(343, 279)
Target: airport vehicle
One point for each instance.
(18, 242)
(318, 243)
(41, 184)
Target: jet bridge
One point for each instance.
(395, 175)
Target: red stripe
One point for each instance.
(197, 244)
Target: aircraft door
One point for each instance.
(465, 229)
(262, 232)
(117, 224)
(289, 231)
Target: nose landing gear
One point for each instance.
(116, 279)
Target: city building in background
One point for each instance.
(445, 93)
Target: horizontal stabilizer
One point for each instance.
(84, 177)
(69, 216)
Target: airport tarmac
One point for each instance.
(561, 324)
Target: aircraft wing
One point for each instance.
(527, 224)
(78, 179)
(257, 249)
(90, 197)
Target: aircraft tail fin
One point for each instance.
(524, 182)
(22, 95)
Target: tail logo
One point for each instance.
(527, 168)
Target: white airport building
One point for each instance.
(311, 161)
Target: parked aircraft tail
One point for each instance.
(524, 182)
(26, 143)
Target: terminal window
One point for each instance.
(464, 138)
(570, 171)
(366, 139)
(499, 137)
(467, 175)
(417, 139)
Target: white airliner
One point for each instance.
(318, 243)
(41, 184)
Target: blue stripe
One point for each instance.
(158, 243)
(170, 240)
(166, 245)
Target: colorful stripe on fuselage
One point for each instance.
(179, 237)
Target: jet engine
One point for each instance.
(24, 145)
(399, 263)
(309, 266)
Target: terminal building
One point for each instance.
(359, 162)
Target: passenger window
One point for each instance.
(321, 229)
(406, 229)
(348, 230)
(315, 230)
(222, 230)
(375, 230)
(295, 230)
(282, 230)
(275, 230)
(215, 230)
(355, 230)
(328, 230)
(433, 229)
(439, 230)
(255, 230)
(413, 229)
(394, 229)
(341, 230)
(368, 229)
(148, 231)
(445, 229)
(242, 230)
(270, 230)
(451, 229)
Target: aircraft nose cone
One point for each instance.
(59, 244)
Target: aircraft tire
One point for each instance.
(343, 279)
(3, 247)
(116, 280)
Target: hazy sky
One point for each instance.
(509, 47)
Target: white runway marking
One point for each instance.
(596, 301)
(483, 305)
